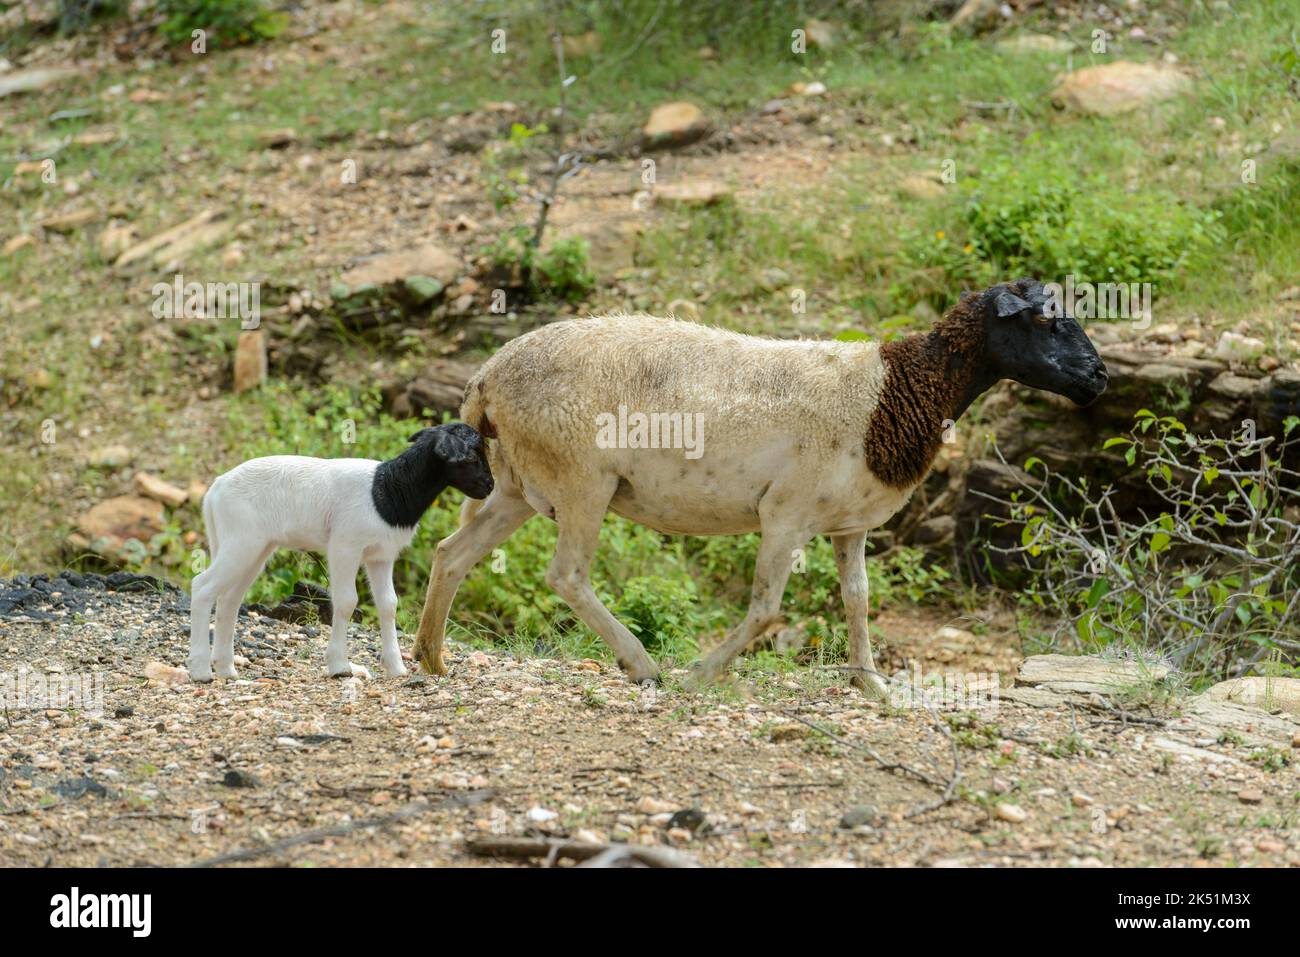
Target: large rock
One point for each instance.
(440, 389)
(1267, 694)
(1119, 87)
(1087, 675)
(114, 521)
(673, 124)
(389, 269)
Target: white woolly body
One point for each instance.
(292, 501)
(783, 429)
(783, 423)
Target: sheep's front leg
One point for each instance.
(850, 557)
(380, 575)
(579, 517)
(776, 555)
(343, 567)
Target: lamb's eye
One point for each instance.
(1042, 318)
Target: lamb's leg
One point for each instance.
(850, 557)
(203, 593)
(579, 518)
(771, 571)
(343, 565)
(239, 570)
(487, 527)
(380, 575)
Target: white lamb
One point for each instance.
(790, 438)
(356, 511)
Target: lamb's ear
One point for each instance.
(416, 436)
(1009, 304)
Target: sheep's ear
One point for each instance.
(1009, 304)
(416, 436)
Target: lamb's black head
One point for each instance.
(1030, 339)
(461, 457)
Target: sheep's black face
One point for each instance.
(462, 457)
(1039, 346)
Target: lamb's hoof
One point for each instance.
(394, 670)
(201, 674)
(349, 670)
(227, 672)
(871, 685)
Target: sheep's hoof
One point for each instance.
(227, 672)
(394, 670)
(871, 685)
(699, 678)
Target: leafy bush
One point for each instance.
(227, 22)
(562, 271)
(1037, 215)
(1212, 581)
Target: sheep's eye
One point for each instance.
(1042, 318)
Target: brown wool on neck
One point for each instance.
(925, 379)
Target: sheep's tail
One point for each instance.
(473, 407)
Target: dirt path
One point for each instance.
(176, 774)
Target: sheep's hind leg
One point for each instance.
(380, 575)
(579, 517)
(850, 557)
(483, 527)
(343, 567)
(771, 572)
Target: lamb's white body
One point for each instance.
(292, 501)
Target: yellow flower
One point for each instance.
(968, 248)
(939, 234)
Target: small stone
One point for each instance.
(1012, 813)
(652, 805)
(679, 836)
(277, 139)
(110, 457)
(381, 797)
(1250, 796)
(860, 815)
(673, 124)
(250, 360)
(1079, 799)
(692, 194)
(1270, 847)
(240, 779)
(540, 815)
(151, 486)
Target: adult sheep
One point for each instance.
(799, 438)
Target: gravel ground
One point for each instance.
(287, 767)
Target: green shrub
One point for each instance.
(227, 23)
(1036, 215)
